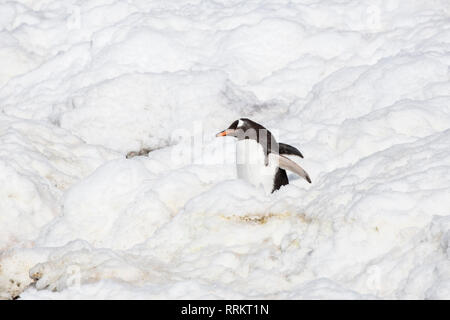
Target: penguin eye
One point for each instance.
(234, 125)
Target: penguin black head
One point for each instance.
(244, 129)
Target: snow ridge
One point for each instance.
(362, 88)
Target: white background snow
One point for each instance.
(362, 88)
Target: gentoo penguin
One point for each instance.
(260, 159)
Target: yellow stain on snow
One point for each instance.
(264, 218)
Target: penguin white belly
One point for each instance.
(250, 163)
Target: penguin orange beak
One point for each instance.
(224, 133)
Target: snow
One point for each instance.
(362, 88)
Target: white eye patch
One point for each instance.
(240, 123)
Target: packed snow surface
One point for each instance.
(362, 88)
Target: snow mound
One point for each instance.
(361, 88)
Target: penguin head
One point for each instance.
(241, 128)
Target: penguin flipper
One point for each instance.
(288, 164)
(286, 149)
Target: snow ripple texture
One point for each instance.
(362, 88)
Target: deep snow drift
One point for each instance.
(362, 88)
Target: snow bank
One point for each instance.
(361, 88)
